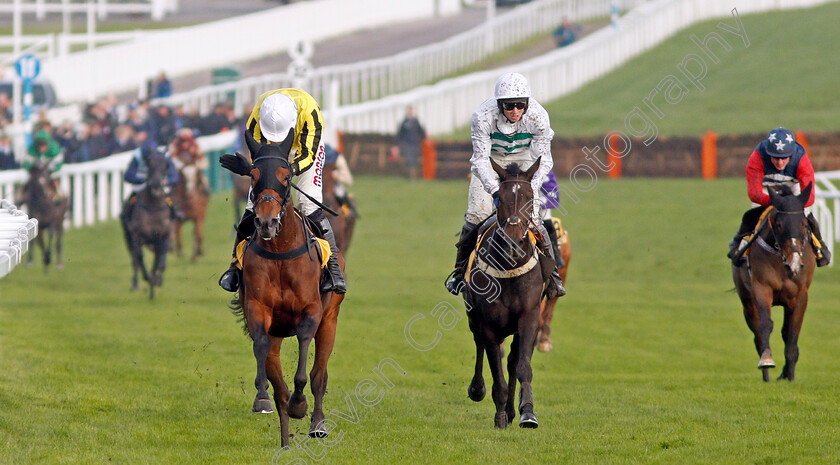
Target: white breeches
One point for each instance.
(310, 182)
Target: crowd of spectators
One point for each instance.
(102, 132)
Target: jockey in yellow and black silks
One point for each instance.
(279, 114)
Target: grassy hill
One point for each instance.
(786, 77)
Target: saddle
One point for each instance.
(752, 236)
(487, 268)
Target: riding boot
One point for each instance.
(230, 278)
(552, 234)
(820, 247)
(465, 245)
(174, 214)
(336, 283)
(554, 283)
(738, 245)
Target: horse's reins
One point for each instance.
(775, 250)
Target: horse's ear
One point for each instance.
(253, 145)
(533, 169)
(806, 193)
(773, 195)
(498, 169)
(286, 145)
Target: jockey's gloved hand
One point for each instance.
(495, 199)
(237, 164)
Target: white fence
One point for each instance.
(96, 188)
(127, 66)
(448, 105)
(827, 207)
(155, 8)
(378, 78)
(16, 232)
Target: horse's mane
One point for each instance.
(513, 170)
(784, 190)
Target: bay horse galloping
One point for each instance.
(279, 295)
(503, 297)
(48, 206)
(781, 265)
(547, 305)
(191, 196)
(147, 223)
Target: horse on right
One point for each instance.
(547, 305)
(779, 269)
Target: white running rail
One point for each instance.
(96, 188)
(827, 207)
(448, 105)
(16, 232)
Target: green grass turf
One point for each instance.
(652, 361)
(784, 78)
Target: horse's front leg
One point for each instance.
(762, 325)
(477, 390)
(161, 247)
(528, 325)
(257, 313)
(794, 314)
(281, 391)
(305, 332)
(512, 362)
(494, 358)
(198, 249)
(324, 343)
(176, 230)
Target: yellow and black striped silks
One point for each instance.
(308, 128)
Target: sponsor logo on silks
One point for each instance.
(319, 166)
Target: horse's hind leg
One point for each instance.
(790, 334)
(324, 342)
(59, 238)
(179, 250)
(494, 358)
(305, 332)
(544, 334)
(198, 248)
(274, 372)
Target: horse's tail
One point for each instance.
(238, 311)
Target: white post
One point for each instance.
(65, 17)
(17, 94)
(491, 16)
(158, 9)
(333, 99)
(40, 11)
(91, 32)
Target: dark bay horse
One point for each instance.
(503, 298)
(48, 206)
(781, 265)
(279, 295)
(191, 196)
(149, 224)
(547, 305)
(345, 222)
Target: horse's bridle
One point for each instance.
(515, 220)
(777, 250)
(271, 198)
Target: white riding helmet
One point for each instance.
(278, 115)
(512, 85)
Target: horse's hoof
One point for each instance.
(783, 377)
(318, 431)
(297, 407)
(528, 420)
(545, 346)
(476, 393)
(262, 406)
(766, 362)
(59, 267)
(501, 421)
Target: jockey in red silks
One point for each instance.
(777, 161)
